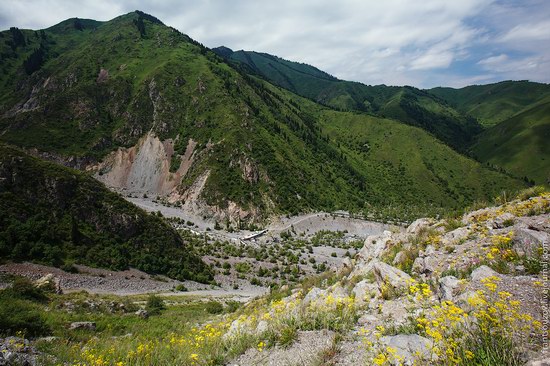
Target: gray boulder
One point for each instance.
(455, 236)
(386, 274)
(418, 226)
(395, 311)
(364, 291)
(313, 296)
(449, 287)
(400, 258)
(409, 346)
(82, 325)
(142, 313)
(262, 327)
(482, 272)
(374, 246)
(529, 241)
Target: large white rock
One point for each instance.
(418, 225)
(313, 296)
(408, 346)
(482, 272)
(364, 291)
(386, 274)
(395, 311)
(448, 287)
(374, 247)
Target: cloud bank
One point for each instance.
(395, 42)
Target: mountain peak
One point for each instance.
(223, 51)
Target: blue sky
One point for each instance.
(395, 42)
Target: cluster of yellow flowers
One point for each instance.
(191, 347)
(419, 291)
(387, 356)
(492, 314)
(497, 311)
(501, 248)
(535, 205)
(433, 239)
(444, 326)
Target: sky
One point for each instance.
(424, 43)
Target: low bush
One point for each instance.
(214, 307)
(155, 305)
(21, 316)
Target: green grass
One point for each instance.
(406, 104)
(495, 103)
(519, 144)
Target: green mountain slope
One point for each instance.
(151, 111)
(56, 215)
(519, 144)
(407, 104)
(517, 116)
(494, 103)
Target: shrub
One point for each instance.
(232, 306)
(242, 267)
(69, 267)
(17, 315)
(22, 288)
(214, 307)
(155, 305)
(181, 287)
(287, 336)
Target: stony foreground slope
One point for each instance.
(429, 296)
(464, 291)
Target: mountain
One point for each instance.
(406, 104)
(57, 216)
(456, 116)
(495, 103)
(517, 117)
(149, 111)
(519, 144)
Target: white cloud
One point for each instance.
(494, 60)
(539, 31)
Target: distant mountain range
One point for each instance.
(462, 118)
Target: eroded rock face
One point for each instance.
(145, 167)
